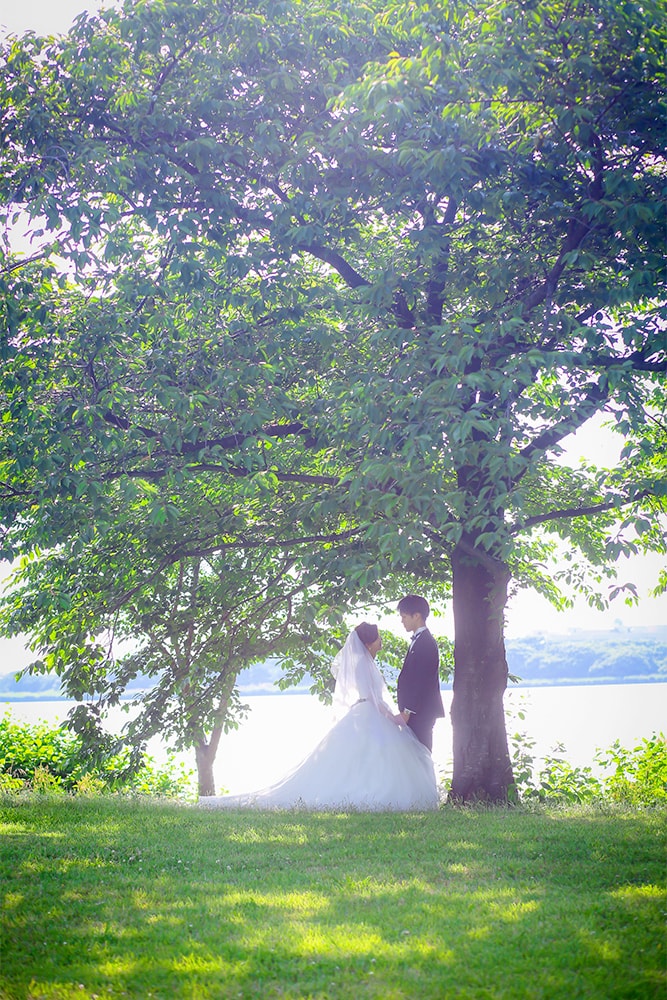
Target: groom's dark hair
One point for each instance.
(367, 633)
(412, 604)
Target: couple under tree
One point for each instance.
(373, 758)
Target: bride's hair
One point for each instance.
(367, 633)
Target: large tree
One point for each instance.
(419, 245)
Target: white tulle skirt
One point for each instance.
(365, 763)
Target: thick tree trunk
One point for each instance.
(482, 768)
(205, 758)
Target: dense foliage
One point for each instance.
(333, 282)
(44, 758)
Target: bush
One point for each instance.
(25, 749)
(44, 759)
(555, 781)
(639, 776)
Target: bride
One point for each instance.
(367, 761)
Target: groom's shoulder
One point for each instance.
(426, 639)
(430, 640)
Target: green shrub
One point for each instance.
(559, 781)
(555, 781)
(10, 784)
(89, 785)
(25, 748)
(48, 759)
(45, 783)
(640, 775)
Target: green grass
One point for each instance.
(107, 898)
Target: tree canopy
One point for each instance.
(352, 273)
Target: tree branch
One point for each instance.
(169, 67)
(577, 231)
(569, 513)
(587, 408)
(594, 360)
(285, 543)
(636, 360)
(24, 261)
(401, 310)
(435, 285)
(282, 477)
(335, 260)
(228, 441)
(238, 472)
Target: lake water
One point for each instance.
(282, 729)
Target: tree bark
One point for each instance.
(482, 767)
(205, 758)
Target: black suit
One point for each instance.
(419, 687)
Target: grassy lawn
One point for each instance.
(106, 897)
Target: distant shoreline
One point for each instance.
(269, 691)
(582, 658)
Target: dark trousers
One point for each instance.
(423, 730)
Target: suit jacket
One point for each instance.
(419, 680)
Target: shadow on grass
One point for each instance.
(104, 899)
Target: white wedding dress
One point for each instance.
(365, 762)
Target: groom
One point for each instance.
(419, 699)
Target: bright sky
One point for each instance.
(45, 17)
(527, 613)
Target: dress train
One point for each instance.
(364, 763)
